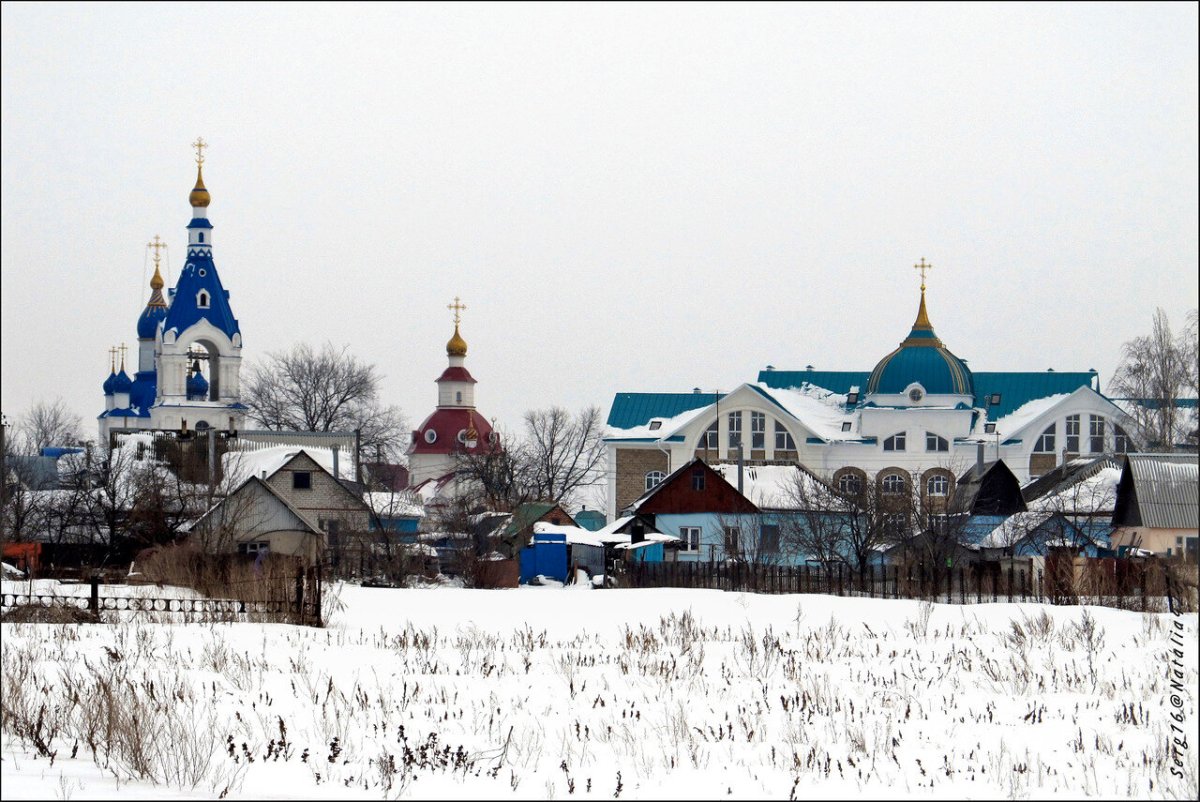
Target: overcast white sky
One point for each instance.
(627, 197)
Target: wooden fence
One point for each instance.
(1138, 586)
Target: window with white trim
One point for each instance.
(253, 547)
(1073, 434)
(1096, 434)
(935, 442)
(783, 438)
(758, 430)
(202, 300)
(735, 429)
(850, 484)
(690, 535)
(1045, 442)
(938, 485)
(894, 443)
(893, 484)
(708, 439)
(654, 479)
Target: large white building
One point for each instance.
(189, 353)
(919, 416)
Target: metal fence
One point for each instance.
(1139, 586)
(258, 602)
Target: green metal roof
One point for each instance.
(1019, 388)
(837, 381)
(636, 409)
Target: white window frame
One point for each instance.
(690, 535)
(1096, 428)
(735, 430)
(896, 442)
(1072, 433)
(890, 488)
(942, 482)
(758, 430)
(940, 443)
(654, 479)
(1047, 440)
(788, 442)
(848, 478)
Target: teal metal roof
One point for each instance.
(933, 367)
(837, 381)
(1019, 388)
(636, 409)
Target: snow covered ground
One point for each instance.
(544, 693)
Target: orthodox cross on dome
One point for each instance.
(922, 266)
(456, 307)
(122, 349)
(156, 246)
(112, 359)
(199, 145)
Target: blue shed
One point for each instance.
(547, 555)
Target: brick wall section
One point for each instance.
(632, 466)
(325, 500)
(1042, 463)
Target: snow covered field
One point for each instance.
(564, 693)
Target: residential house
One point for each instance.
(1157, 507)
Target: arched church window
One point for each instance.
(202, 300)
(202, 236)
(1045, 443)
(893, 484)
(894, 443)
(654, 479)
(935, 443)
(938, 486)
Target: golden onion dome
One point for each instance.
(156, 283)
(457, 345)
(199, 196)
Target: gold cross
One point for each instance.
(457, 307)
(199, 145)
(122, 350)
(156, 246)
(112, 359)
(922, 267)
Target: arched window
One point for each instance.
(709, 438)
(935, 443)
(1045, 443)
(894, 443)
(850, 484)
(1096, 434)
(654, 479)
(201, 237)
(938, 485)
(783, 438)
(893, 484)
(202, 300)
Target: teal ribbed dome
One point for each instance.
(924, 360)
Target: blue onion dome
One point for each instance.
(108, 383)
(121, 382)
(922, 359)
(156, 309)
(197, 385)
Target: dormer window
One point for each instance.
(202, 300)
(655, 425)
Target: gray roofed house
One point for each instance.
(1158, 504)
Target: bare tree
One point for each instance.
(562, 453)
(49, 423)
(321, 391)
(844, 523)
(1156, 370)
(493, 477)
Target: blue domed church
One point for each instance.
(921, 415)
(189, 351)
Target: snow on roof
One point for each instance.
(665, 427)
(1013, 529)
(1096, 493)
(255, 462)
(770, 486)
(391, 503)
(1022, 416)
(574, 534)
(821, 411)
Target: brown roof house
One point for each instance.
(298, 510)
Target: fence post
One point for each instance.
(1010, 579)
(318, 611)
(962, 586)
(840, 586)
(1021, 579)
(950, 584)
(1142, 585)
(1041, 582)
(94, 598)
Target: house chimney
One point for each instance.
(336, 475)
(979, 458)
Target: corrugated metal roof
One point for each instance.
(1167, 487)
(636, 409)
(837, 381)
